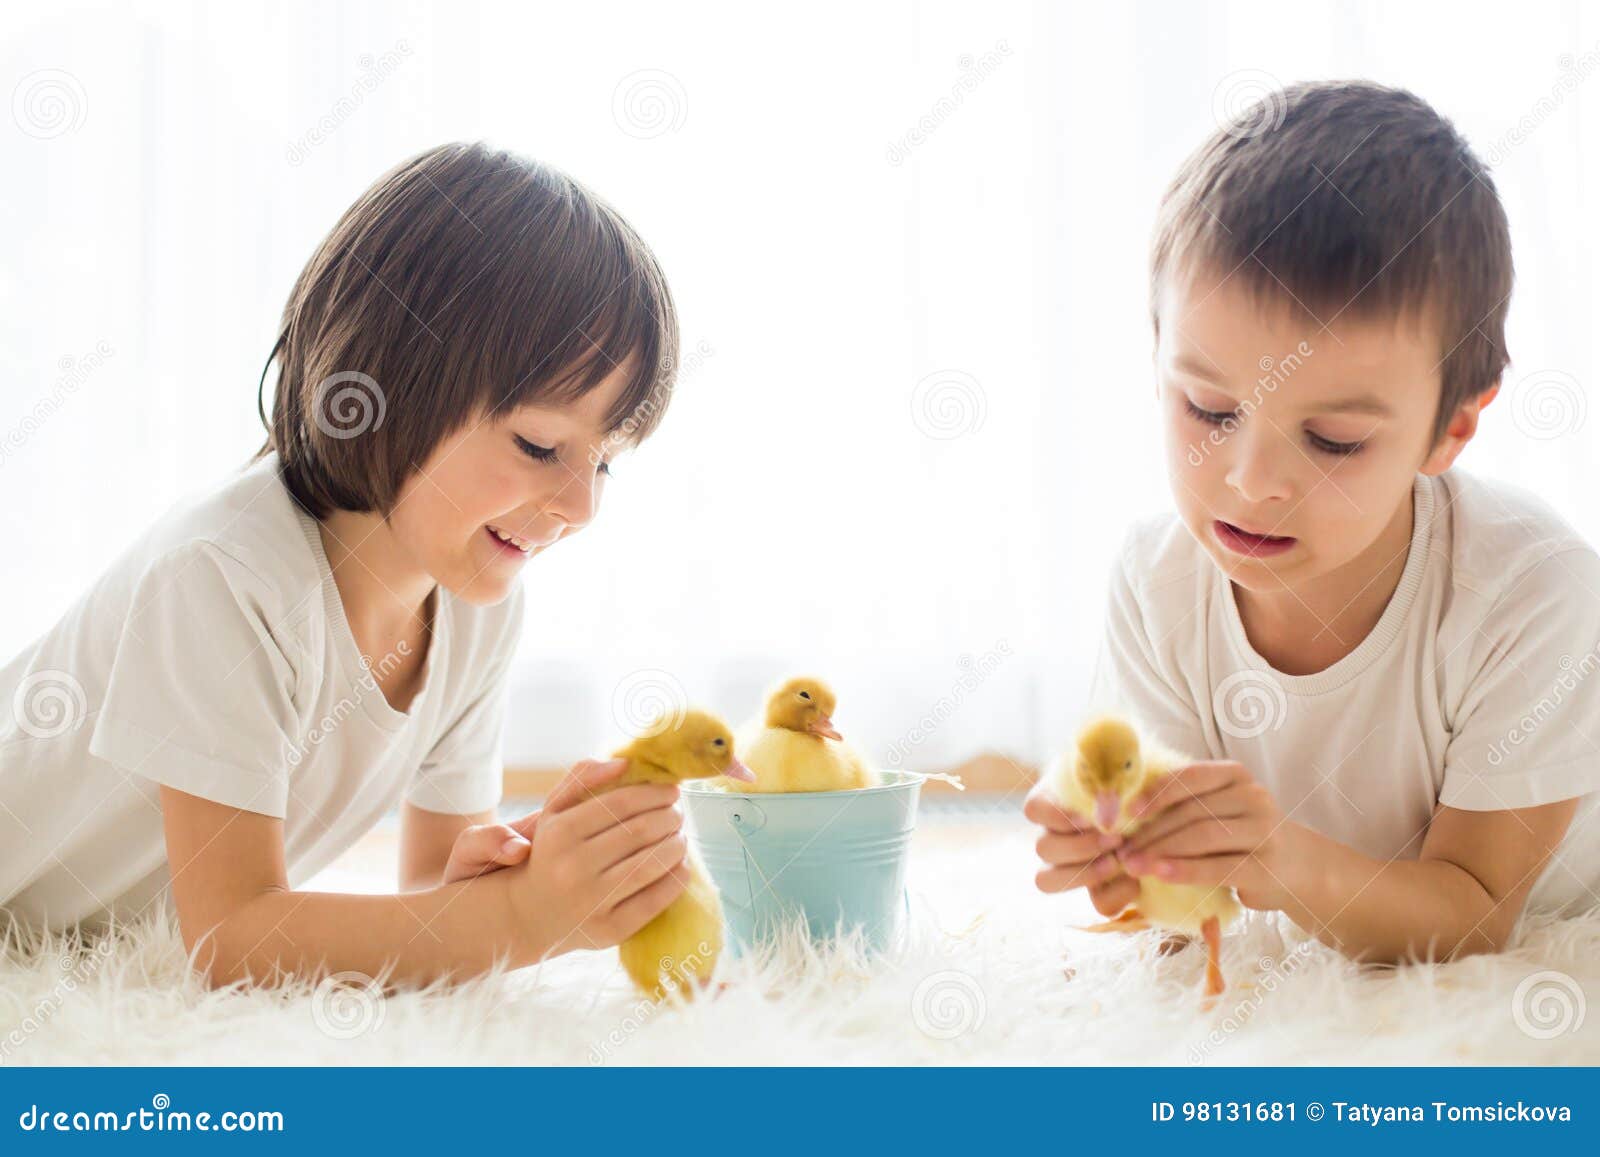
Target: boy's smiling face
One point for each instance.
(1278, 427)
(536, 473)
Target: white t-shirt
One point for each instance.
(1479, 687)
(214, 656)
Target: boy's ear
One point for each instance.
(1458, 432)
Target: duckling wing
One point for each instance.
(678, 950)
(763, 751)
(818, 764)
(858, 772)
(1185, 907)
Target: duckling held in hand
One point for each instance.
(678, 950)
(1108, 766)
(797, 747)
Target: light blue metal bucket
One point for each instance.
(836, 858)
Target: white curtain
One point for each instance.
(908, 243)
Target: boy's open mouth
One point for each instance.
(1244, 542)
(510, 543)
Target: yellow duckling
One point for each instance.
(1107, 768)
(797, 748)
(678, 950)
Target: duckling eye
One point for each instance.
(805, 694)
(718, 743)
(1127, 765)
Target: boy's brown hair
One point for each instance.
(466, 281)
(1350, 197)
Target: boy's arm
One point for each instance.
(1213, 823)
(426, 839)
(1463, 895)
(232, 894)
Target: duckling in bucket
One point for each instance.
(677, 952)
(797, 747)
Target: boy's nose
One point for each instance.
(1257, 472)
(578, 500)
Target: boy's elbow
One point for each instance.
(219, 949)
(1482, 941)
(213, 960)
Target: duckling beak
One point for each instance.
(739, 771)
(1107, 807)
(822, 725)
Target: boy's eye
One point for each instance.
(1338, 449)
(536, 452)
(547, 453)
(1210, 416)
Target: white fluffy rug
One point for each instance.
(990, 975)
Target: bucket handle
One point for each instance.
(750, 861)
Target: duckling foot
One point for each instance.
(1130, 919)
(1211, 929)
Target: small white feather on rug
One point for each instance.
(991, 973)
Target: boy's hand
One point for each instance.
(486, 848)
(1212, 823)
(1077, 855)
(601, 866)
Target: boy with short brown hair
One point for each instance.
(1382, 661)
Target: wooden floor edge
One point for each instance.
(983, 775)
